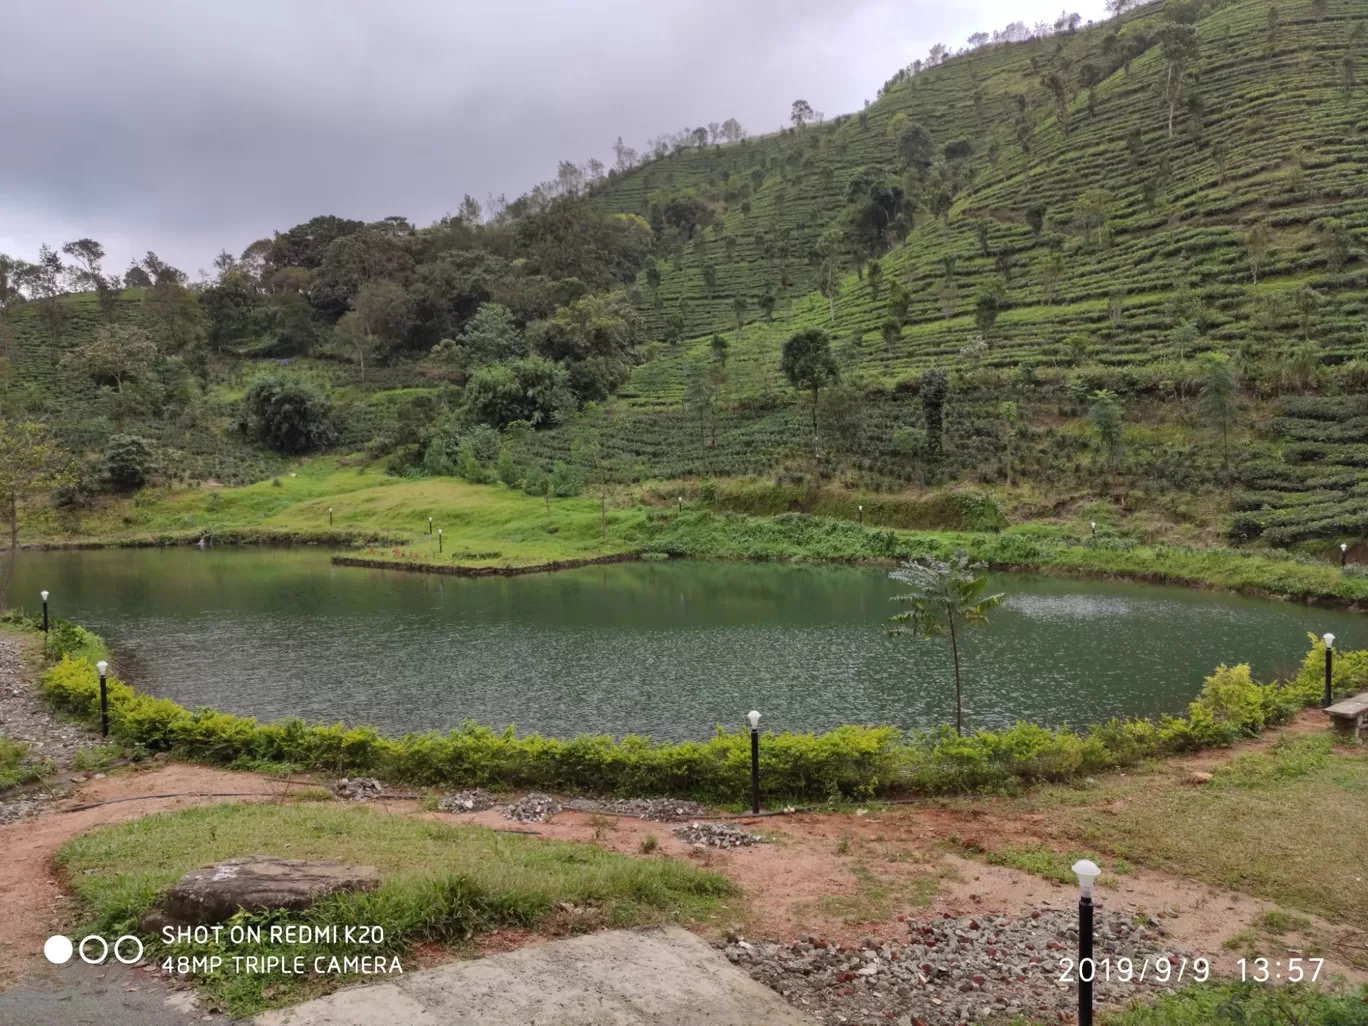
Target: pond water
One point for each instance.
(668, 649)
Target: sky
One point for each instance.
(186, 127)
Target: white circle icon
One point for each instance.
(58, 949)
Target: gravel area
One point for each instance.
(533, 808)
(467, 801)
(988, 969)
(656, 810)
(358, 789)
(25, 719)
(717, 835)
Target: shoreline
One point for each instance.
(456, 570)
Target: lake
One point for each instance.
(664, 648)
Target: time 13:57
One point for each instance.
(1294, 970)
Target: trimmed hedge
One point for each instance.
(851, 761)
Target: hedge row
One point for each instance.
(851, 761)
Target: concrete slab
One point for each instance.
(654, 977)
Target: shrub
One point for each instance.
(531, 389)
(127, 462)
(289, 416)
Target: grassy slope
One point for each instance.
(440, 883)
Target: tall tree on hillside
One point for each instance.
(1090, 76)
(588, 452)
(1011, 416)
(87, 273)
(829, 247)
(874, 275)
(1106, 419)
(1257, 242)
(118, 351)
(739, 308)
(801, 113)
(1218, 405)
(933, 388)
(29, 459)
(1179, 46)
(808, 364)
(944, 598)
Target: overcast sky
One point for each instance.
(187, 127)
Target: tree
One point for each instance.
(531, 389)
(732, 130)
(989, 303)
(1220, 160)
(1011, 416)
(588, 453)
(117, 351)
(766, 302)
(289, 415)
(385, 313)
(1218, 405)
(1106, 418)
(945, 597)
(1336, 242)
(829, 275)
(874, 275)
(809, 365)
(1258, 241)
(719, 347)
(933, 387)
(702, 389)
(1179, 46)
(1035, 218)
(739, 307)
(1090, 76)
(1051, 274)
(801, 113)
(29, 459)
(491, 336)
(917, 149)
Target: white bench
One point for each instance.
(1350, 716)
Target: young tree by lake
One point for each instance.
(1219, 405)
(946, 597)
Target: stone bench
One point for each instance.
(1350, 716)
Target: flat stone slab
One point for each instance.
(215, 893)
(654, 977)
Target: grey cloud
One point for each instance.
(186, 127)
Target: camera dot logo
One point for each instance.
(58, 949)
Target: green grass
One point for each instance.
(441, 884)
(1251, 1004)
(1051, 865)
(12, 768)
(1289, 824)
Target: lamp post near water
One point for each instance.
(1329, 671)
(1344, 553)
(429, 526)
(861, 509)
(45, 617)
(439, 539)
(1087, 873)
(754, 717)
(330, 516)
(681, 504)
(103, 667)
(1093, 525)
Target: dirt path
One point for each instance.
(32, 903)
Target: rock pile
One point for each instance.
(533, 808)
(953, 971)
(656, 810)
(467, 801)
(717, 835)
(358, 789)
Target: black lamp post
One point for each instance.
(681, 504)
(1329, 671)
(1344, 553)
(754, 718)
(45, 616)
(439, 539)
(1087, 873)
(103, 667)
(1093, 525)
(429, 526)
(330, 516)
(861, 508)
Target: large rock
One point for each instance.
(214, 893)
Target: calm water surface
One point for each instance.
(669, 649)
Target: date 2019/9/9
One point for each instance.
(1165, 970)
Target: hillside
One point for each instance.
(1069, 227)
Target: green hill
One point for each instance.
(1097, 211)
